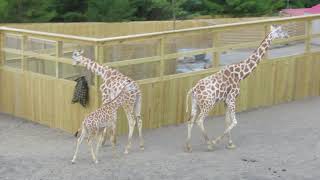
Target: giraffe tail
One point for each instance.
(77, 132)
(187, 100)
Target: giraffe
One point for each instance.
(115, 82)
(97, 123)
(224, 86)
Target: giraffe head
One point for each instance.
(77, 57)
(277, 32)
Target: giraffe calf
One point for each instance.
(97, 124)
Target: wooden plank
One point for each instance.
(59, 53)
(2, 54)
(216, 54)
(308, 35)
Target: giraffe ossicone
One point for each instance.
(225, 86)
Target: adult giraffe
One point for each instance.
(225, 86)
(114, 83)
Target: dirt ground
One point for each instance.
(279, 142)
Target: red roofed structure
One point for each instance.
(301, 11)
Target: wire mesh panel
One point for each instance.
(242, 35)
(68, 48)
(67, 71)
(315, 26)
(131, 50)
(295, 28)
(185, 64)
(287, 49)
(141, 71)
(188, 42)
(41, 66)
(12, 60)
(315, 44)
(12, 41)
(235, 56)
(41, 46)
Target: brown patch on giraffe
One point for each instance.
(229, 88)
(264, 44)
(251, 65)
(227, 72)
(231, 80)
(241, 74)
(260, 51)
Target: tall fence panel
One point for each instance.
(37, 76)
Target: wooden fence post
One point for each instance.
(267, 29)
(2, 57)
(161, 53)
(98, 57)
(23, 48)
(216, 53)
(162, 72)
(59, 53)
(308, 35)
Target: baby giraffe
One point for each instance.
(97, 123)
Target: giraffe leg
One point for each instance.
(92, 151)
(137, 109)
(79, 141)
(131, 123)
(100, 139)
(200, 120)
(194, 113)
(113, 135)
(231, 106)
(230, 144)
(105, 135)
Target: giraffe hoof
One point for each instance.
(210, 147)
(188, 149)
(214, 142)
(231, 146)
(126, 152)
(73, 162)
(96, 161)
(142, 148)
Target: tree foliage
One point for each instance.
(126, 10)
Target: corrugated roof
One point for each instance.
(314, 10)
(301, 11)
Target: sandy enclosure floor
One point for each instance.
(279, 142)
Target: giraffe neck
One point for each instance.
(248, 65)
(95, 67)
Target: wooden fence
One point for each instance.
(36, 72)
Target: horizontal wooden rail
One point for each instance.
(121, 39)
(50, 36)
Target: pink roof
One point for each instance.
(314, 10)
(301, 11)
(295, 12)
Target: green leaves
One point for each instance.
(126, 10)
(110, 10)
